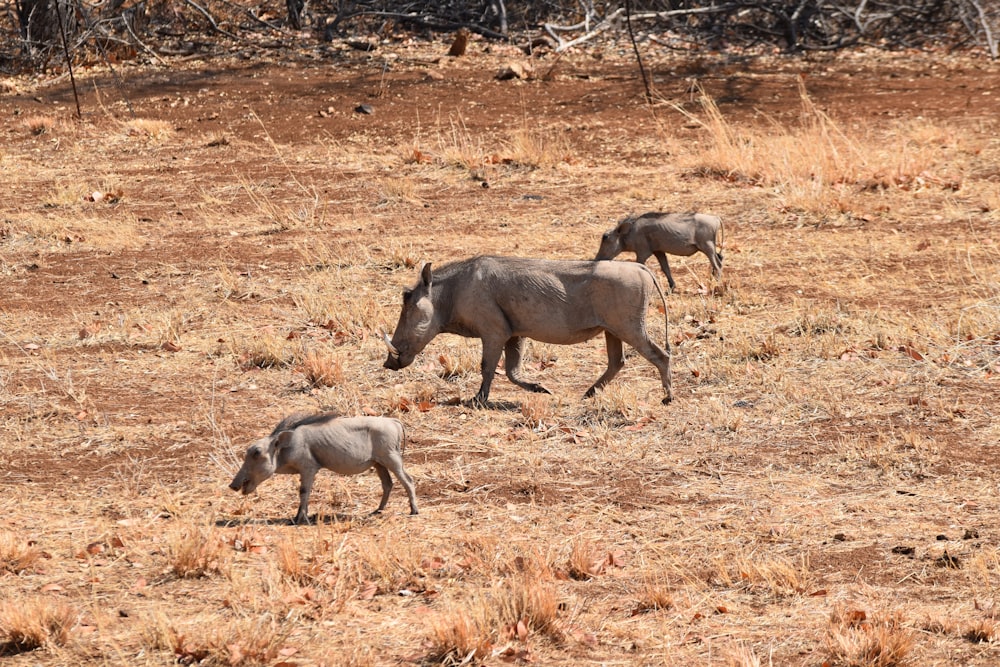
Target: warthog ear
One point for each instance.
(425, 274)
(283, 439)
(624, 227)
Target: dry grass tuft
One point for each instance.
(38, 125)
(16, 554)
(398, 191)
(26, 625)
(322, 369)
(742, 655)
(265, 350)
(855, 640)
(818, 166)
(654, 595)
(459, 363)
(539, 411)
(513, 611)
(984, 630)
(148, 127)
(530, 601)
(536, 148)
(584, 562)
(237, 643)
(461, 635)
(195, 551)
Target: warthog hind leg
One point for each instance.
(513, 351)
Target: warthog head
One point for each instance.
(613, 241)
(416, 324)
(260, 463)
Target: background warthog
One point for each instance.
(660, 233)
(503, 300)
(302, 444)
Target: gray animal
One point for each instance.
(504, 300)
(660, 233)
(302, 444)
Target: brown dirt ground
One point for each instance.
(306, 110)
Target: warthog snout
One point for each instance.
(395, 359)
(242, 484)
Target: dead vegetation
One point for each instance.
(822, 491)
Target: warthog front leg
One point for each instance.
(661, 257)
(492, 348)
(513, 351)
(306, 479)
(616, 360)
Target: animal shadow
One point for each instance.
(503, 406)
(316, 519)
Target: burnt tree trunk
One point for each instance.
(40, 21)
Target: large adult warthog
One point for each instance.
(657, 234)
(503, 300)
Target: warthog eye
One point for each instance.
(406, 295)
(606, 236)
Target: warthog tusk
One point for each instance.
(388, 343)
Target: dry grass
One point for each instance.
(17, 554)
(235, 642)
(195, 551)
(830, 451)
(854, 640)
(39, 124)
(818, 165)
(29, 624)
(152, 128)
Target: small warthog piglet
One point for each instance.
(302, 444)
(656, 234)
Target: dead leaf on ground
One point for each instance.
(369, 591)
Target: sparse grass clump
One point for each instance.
(241, 642)
(819, 166)
(26, 625)
(461, 636)
(17, 554)
(195, 551)
(322, 369)
(536, 147)
(149, 127)
(265, 350)
(855, 640)
(38, 125)
(653, 595)
(513, 611)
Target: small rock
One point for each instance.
(361, 44)
(904, 551)
(365, 109)
(970, 534)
